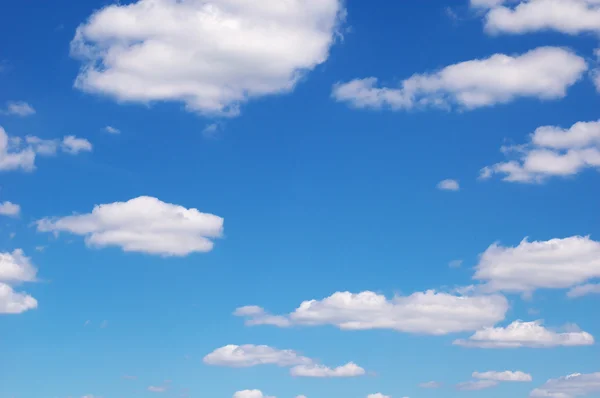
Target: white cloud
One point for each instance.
(157, 389)
(565, 16)
(15, 267)
(18, 108)
(74, 145)
(13, 158)
(526, 334)
(211, 55)
(423, 312)
(507, 375)
(476, 385)
(448, 185)
(12, 302)
(41, 146)
(252, 355)
(544, 73)
(144, 224)
(552, 264)
(572, 386)
(112, 130)
(10, 209)
(584, 290)
(211, 130)
(455, 263)
(431, 385)
(378, 395)
(315, 370)
(250, 394)
(552, 152)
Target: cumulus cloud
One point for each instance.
(526, 334)
(507, 375)
(15, 267)
(210, 55)
(544, 73)
(316, 370)
(18, 108)
(476, 385)
(144, 224)
(10, 209)
(378, 395)
(74, 145)
(584, 290)
(517, 17)
(252, 355)
(552, 264)
(250, 394)
(12, 302)
(572, 386)
(551, 152)
(112, 130)
(423, 312)
(448, 185)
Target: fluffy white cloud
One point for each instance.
(250, 394)
(545, 73)
(572, 386)
(10, 209)
(526, 334)
(552, 264)
(144, 224)
(74, 145)
(15, 267)
(378, 395)
(476, 385)
(584, 290)
(315, 370)
(552, 151)
(518, 17)
(448, 185)
(252, 355)
(211, 55)
(18, 108)
(12, 302)
(112, 130)
(507, 375)
(423, 312)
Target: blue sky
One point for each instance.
(306, 198)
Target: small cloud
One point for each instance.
(211, 130)
(87, 323)
(104, 324)
(431, 384)
(18, 108)
(449, 185)
(455, 263)
(74, 145)
(12, 235)
(10, 209)
(40, 248)
(112, 130)
(157, 389)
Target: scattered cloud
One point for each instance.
(423, 312)
(584, 290)
(551, 152)
(157, 389)
(448, 185)
(518, 17)
(455, 263)
(112, 130)
(572, 386)
(507, 375)
(378, 395)
(12, 302)
(252, 355)
(250, 394)
(431, 385)
(526, 334)
(15, 267)
(12, 157)
(552, 264)
(9, 209)
(219, 54)
(144, 224)
(74, 145)
(211, 130)
(544, 73)
(315, 370)
(18, 108)
(476, 385)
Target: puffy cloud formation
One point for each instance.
(552, 152)
(552, 264)
(210, 55)
(252, 355)
(526, 334)
(378, 395)
(544, 73)
(12, 302)
(518, 17)
(15, 268)
(507, 375)
(10, 209)
(449, 185)
(18, 108)
(476, 385)
(250, 394)
(144, 224)
(315, 370)
(74, 145)
(423, 312)
(572, 386)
